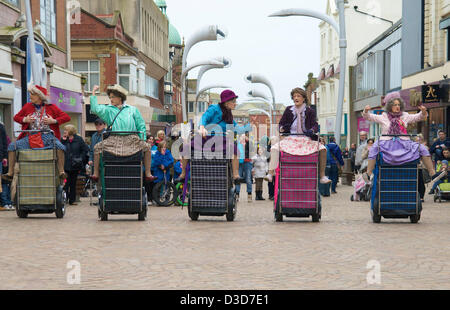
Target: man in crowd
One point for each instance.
(439, 145)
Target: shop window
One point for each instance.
(48, 20)
(191, 107)
(90, 68)
(16, 3)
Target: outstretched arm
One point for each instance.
(370, 116)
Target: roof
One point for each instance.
(174, 35)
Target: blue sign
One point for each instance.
(41, 61)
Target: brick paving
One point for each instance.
(169, 251)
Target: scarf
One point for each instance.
(397, 126)
(300, 118)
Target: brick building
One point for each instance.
(51, 31)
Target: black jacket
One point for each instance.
(75, 149)
(3, 143)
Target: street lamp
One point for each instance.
(260, 95)
(209, 33)
(36, 70)
(340, 29)
(225, 63)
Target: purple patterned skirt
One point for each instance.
(398, 152)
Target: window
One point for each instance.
(124, 76)
(365, 74)
(202, 106)
(191, 107)
(90, 68)
(48, 20)
(151, 87)
(16, 3)
(323, 46)
(394, 66)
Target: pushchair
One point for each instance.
(361, 190)
(442, 192)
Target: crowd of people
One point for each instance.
(253, 162)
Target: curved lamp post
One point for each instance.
(260, 95)
(225, 63)
(340, 29)
(209, 33)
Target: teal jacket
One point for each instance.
(130, 119)
(214, 116)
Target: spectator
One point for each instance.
(446, 154)
(100, 126)
(346, 153)
(245, 166)
(334, 159)
(5, 196)
(160, 136)
(365, 154)
(162, 162)
(440, 176)
(422, 170)
(438, 146)
(177, 169)
(362, 145)
(352, 155)
(76, 150)
(260, 169)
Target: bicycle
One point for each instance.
(165, 192)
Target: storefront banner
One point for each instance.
(413, 98)
(363, 125)
(66, 100)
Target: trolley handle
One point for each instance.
(399, 135)
(36, 130)
(292, 134)
(123, 132)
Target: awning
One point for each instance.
(321, 75)
(330, 72)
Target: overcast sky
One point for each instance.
(284, 49)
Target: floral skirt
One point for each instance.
(299, 145)
(122, 146)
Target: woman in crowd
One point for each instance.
(394, 121)
(38, 114)
(126, 118)
(299, 119)
(162, 162)
(221, 115)
(260, 169)
(76, 152)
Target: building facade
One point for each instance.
(52, 37)
(388, 12)
(148, 27)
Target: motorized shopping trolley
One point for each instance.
(297, 183)
(122, 190)
(39, 189)
(395, 191)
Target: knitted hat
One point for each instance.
(444, 162)
(227, 95)
(40, 91)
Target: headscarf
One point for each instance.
(397, 126)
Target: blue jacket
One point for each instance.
(96, 138)
(177, 170)
(334, 150)
(214, 116)
(241, 152)
(159, 159)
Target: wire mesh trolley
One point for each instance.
(297, 182)
(39, 189)
(395, 191)
(122, 189)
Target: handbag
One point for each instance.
(107, 132)
(36, 141)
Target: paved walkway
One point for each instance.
(169, 251)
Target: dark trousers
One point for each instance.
(149, 189)
(71, 185)
(421, 185)
(271, 186)
(332, 172)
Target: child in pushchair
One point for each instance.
(361, 190)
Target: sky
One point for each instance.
(283, 49)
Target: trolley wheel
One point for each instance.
(375, 217)
(20, 213)
(193, 215)
(142, 216)
(60, 202)
(414, 218)
(351, 198)
(316, 218)
(103, 216)
(231, 210)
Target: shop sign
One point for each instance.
(430, 94)
(66, 100)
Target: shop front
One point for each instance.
(434, 97)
